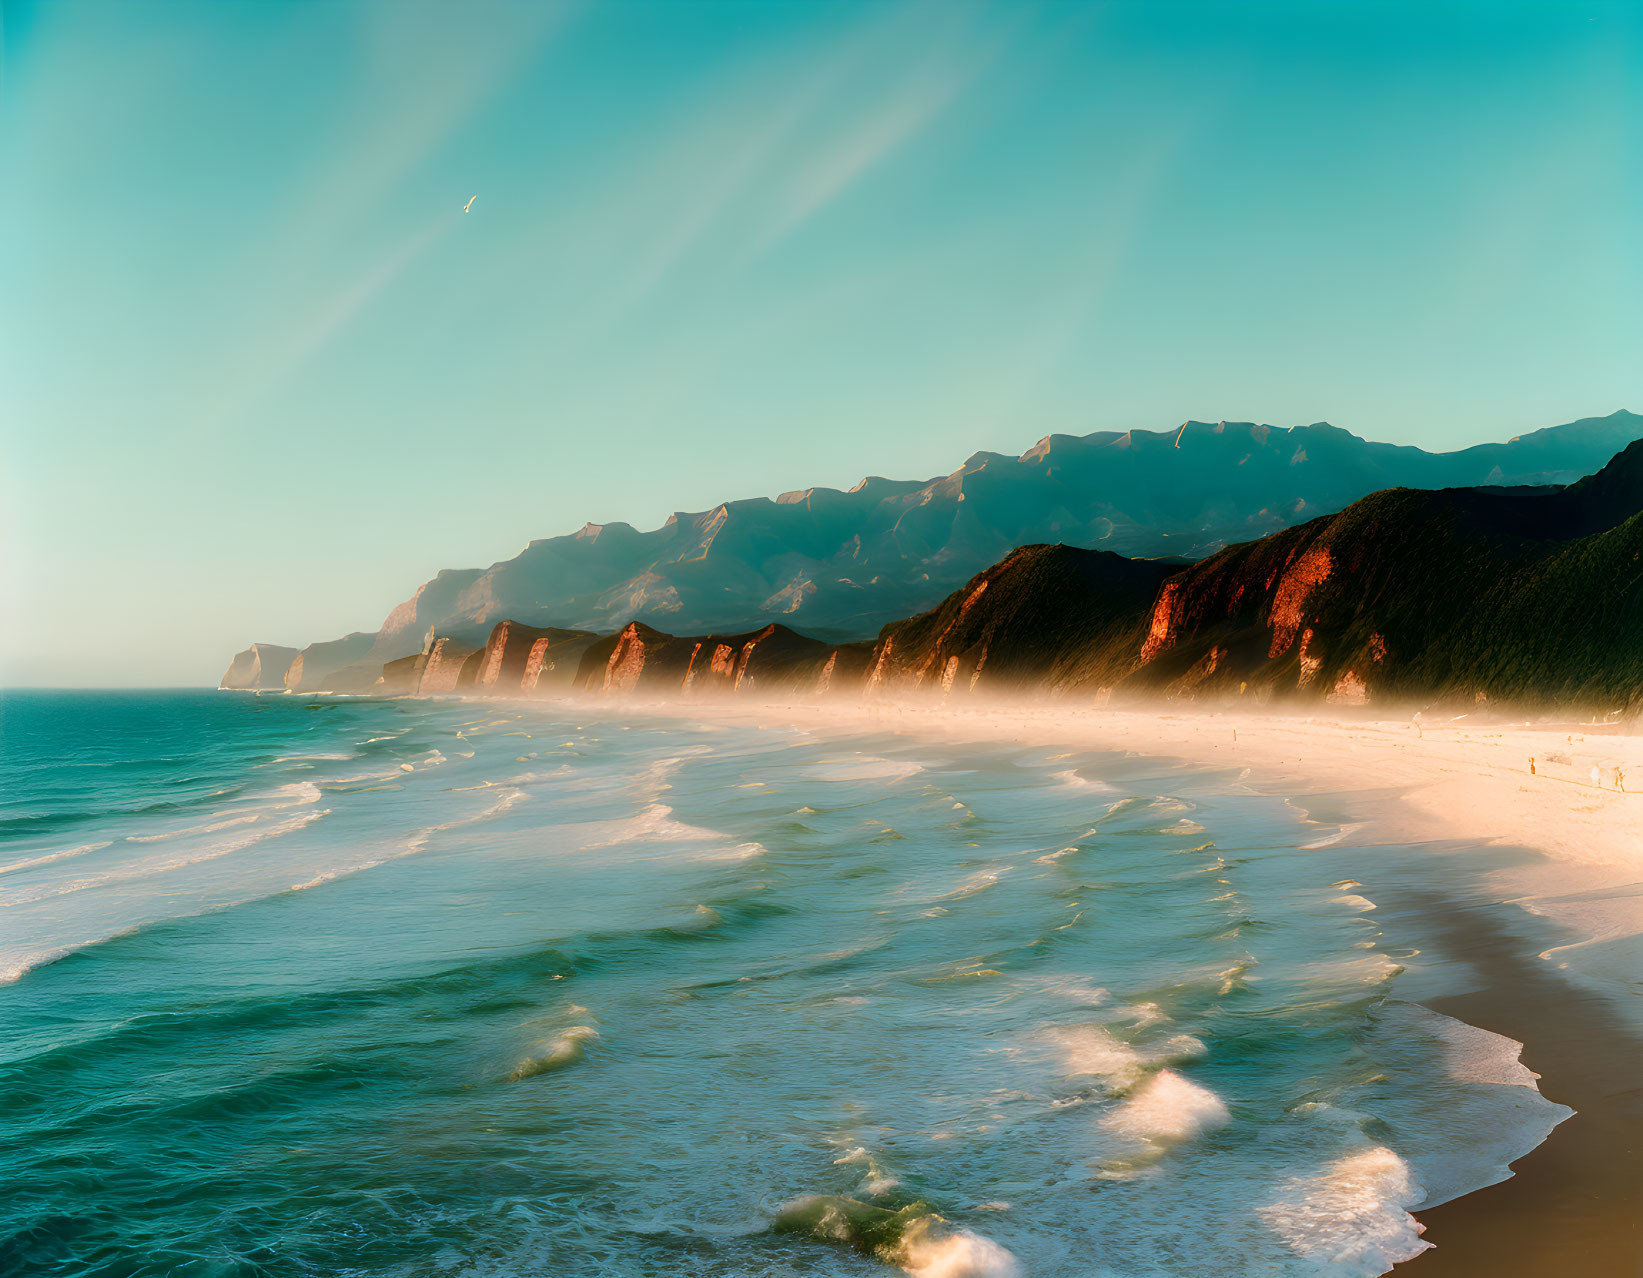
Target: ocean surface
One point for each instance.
(340, 986)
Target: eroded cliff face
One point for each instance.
(399, 678)
(260, 668)
(1530, 597)
(442, 667)
(336, 666)
(1045, 619)
(772, 659)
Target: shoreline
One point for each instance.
(1572, 1205)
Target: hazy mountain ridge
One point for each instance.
(1457, 595)
(1532, 597)
(842, 564)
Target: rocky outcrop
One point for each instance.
(399, 678)
(634, 656)
(520, 660)
(1045, 619)
(442, 666)
(318, 666)
(260, 668)
(551, 663)
(772, 660)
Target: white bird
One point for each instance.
(470, 203)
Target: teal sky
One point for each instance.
(260, 375)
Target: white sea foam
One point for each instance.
(1352, 1217)
(297, 794)
(1093, 1049)
(418, 842)
(148, 869)
(656, 825)
(1466, 1106)
(1073, 781)
(1330, 840)
(1168, 1109)
(188, 831)
(864, 768)
(980, 881)
(1090, 1049)
(564, 1050)
(1374, 968)
(930, 1249)
(1470, 1054)
(50, 858)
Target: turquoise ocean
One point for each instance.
(311, 986)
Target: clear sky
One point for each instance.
(260, 375)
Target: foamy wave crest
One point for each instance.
(52, 857)
(980, 881)
(864, 768)
(1471, 1054)
(417, 843)
(876, 1181)
(915, 1238)
(559, 1053)
(1353, 1217)
(189, 831)
(1168, 1110)
(147, 869)
(297, 794)
(655, 822)
(1330, 840)
(930, 1250)
(656, 825)
(18, 968)
(1073, 781)
(1091, 1049)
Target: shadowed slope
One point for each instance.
(1047, 618)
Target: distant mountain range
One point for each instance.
(841, 565)
(1531, 598)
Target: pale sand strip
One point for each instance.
(1460, 779)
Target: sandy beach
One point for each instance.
(1572, 1205)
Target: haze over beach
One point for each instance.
(972, 640)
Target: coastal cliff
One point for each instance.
(1045, 619)
(521, 660)
(1529, 596)
(840, 565)
(260, 668)
(1532, 598)
(772, 659)
(334, 666)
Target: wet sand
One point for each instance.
(1574, 1205)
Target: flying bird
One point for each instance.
(470, 203)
